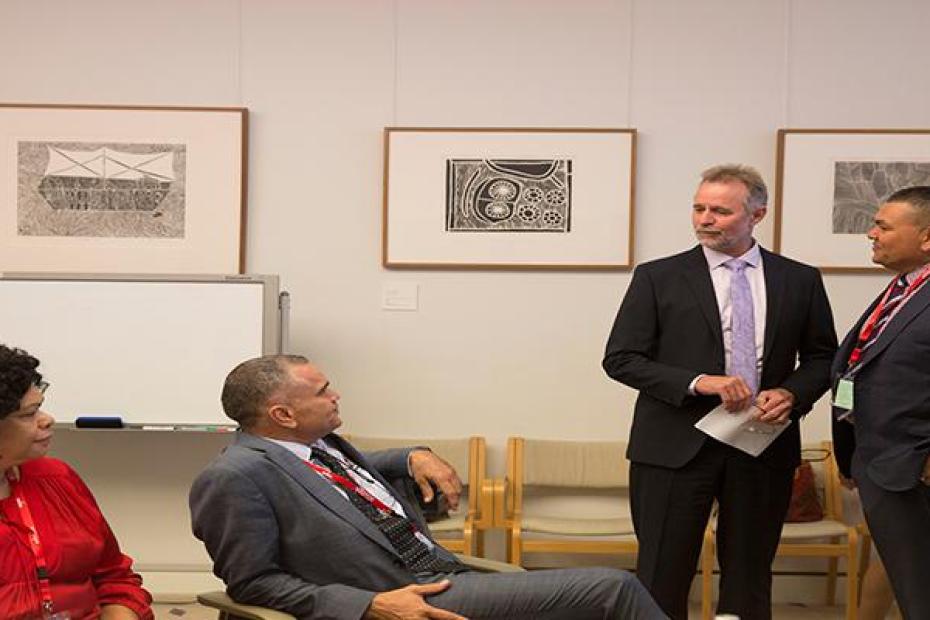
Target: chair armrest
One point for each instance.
(485, 508)
(222, 601)
(485, 565)
(502, 516)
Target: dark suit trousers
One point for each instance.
(900, 524)
(560, 594)
(670, 512)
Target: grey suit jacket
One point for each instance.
(891, 398)
(280, 536)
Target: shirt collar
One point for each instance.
(715, 259)
(910, 276)
(300, 450)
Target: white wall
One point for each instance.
(492, 353)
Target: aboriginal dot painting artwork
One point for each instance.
(508, 195)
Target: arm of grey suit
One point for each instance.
(811, 378)
(235, 520)
(391, 463)
(631, 347)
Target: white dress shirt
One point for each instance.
(720, 276)
(361, 477)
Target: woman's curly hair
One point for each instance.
(17, 374)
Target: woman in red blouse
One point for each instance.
(72, 567)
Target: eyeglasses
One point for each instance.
(39, 385)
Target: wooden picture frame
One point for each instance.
(508, 198)
(122, 189)
(829, 184)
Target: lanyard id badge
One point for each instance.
(38, 552)
(843, 398)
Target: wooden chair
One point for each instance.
(830, 538)
(463, 531)
(231, 610)
(567, 468)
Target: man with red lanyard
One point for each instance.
(881, 400)
(297, 520)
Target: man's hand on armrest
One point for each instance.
(426, 467)
(408, 604)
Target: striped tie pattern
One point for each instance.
(895, 297)
(399, 530)
(742, 326)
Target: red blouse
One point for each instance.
(85, 565)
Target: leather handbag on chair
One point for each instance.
(806, 505)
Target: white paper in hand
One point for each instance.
(741, 429)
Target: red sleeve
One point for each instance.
(115, 581)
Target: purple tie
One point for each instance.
(742, 326)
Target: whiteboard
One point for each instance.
(152, 350)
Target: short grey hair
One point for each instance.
(252, 383)
(918, 196)
(758, 195)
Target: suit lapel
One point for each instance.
(914, 306)
(412, 512)
(841, 359)
(696, 275)
(321, 490)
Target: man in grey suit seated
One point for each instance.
(297, 520)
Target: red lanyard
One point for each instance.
(869, 326)
(35, 544)
(351, 487)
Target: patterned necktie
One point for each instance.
(399, 531)
(742, 326)
(895, 297)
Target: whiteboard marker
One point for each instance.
(96, 421)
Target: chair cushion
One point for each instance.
(573, 464)
(485, 565)
(454, 523)
(578, 527)
(813, 529)
(222, 601)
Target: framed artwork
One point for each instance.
(508, 198)
(122, 189)
(830, 183)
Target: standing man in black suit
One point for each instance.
(697, 329)
(881, 424)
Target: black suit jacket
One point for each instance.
(668, 331)
(891, 398)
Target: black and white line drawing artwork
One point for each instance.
(859, 187)
(508, 195)
(97, 189)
